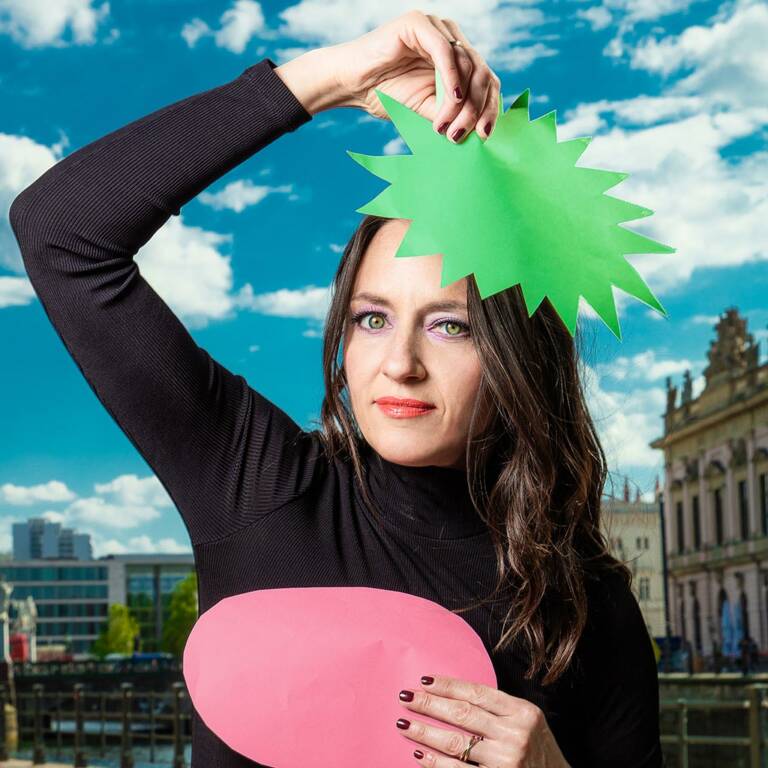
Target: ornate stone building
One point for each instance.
(716, 496)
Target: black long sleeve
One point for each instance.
(264, 507)
(79, 227)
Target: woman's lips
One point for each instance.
(402, 411)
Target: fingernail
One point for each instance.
(457, 92)
(443, 128)
(403, 724)
(487, 128)
(458, 134)
(406, 695)
(418, 753)
(427, 680)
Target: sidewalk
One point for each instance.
(13, 763)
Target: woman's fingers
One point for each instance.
(470, 113)
(451, 107)
(436, 45)
(490, 114)
(482, 105)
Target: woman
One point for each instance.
(484, 499)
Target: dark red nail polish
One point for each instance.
(458, 134)
(418, 753)
(403, 724)
(443, 128)
(427, 680)
(406, 695)
(487, 128)
(457, 92)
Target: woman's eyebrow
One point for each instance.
(445, 305)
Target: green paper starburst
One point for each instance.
(513, 209)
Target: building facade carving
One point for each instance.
(716, 496)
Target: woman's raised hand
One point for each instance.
(400, 58)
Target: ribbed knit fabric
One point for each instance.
(263, 507)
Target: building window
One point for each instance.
(743, 509)
(646, 543)
(696, 523)
(645, 588)
(680, 531)
(638, 543)
(717, 495)
(764, 502)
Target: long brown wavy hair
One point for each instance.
(543, 506)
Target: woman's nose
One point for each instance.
(402, 357)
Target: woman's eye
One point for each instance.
(357, 319)
(378, 320)
(460, 326)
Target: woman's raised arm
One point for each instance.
(225, 454)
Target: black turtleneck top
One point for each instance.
(263, 507)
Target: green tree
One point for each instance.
(117, 634)
(182, 614)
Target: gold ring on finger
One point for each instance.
(465, 754)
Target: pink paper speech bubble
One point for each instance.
(311, 675)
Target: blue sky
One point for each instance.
(673, 91)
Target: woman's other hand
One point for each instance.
(400, 58)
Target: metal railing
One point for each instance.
(753, 741)
(81, 724)
(68, 725)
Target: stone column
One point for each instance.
(731, 514)
(707, 523)
(752, 487)
(713, 620)
(687, 514)
(669, 513)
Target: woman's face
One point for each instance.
(404, 348)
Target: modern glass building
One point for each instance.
(40, 538)
(73, 597)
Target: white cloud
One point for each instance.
(39, 23)
(521, 57)
(193, 30)
(633, 11)
(178, 249)
(134, 490)
(126, 501)
(629, 13)
(396, 147)
(311, 302)
(492, 26)
(240, 23)
(588, 118)
(15, 291)
(626, 421)
(642, 366)
(727, 57)
(94, 510)
(24, 496)
(238, 195)
(704, 319)
(598, 16)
